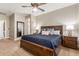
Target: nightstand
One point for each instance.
(70, 42)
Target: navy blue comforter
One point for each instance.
(50, 41)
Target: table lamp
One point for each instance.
(69, 28)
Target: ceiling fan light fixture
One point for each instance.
(35, 9)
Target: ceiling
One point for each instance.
(9, 8)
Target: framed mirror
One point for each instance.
(20, 28)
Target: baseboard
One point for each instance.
(11, 38)
(4, 38)
(17, 39)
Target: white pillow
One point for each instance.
(52, 32)
(45, 32)
(57, 32)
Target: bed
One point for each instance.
(42, 44)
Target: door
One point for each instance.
(1, 29)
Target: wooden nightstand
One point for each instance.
(70, 42)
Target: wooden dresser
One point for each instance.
(70, 42)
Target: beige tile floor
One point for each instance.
(68, 52)
(12, 48)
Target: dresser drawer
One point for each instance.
(70, 38)
(70, 42)
(70, 46)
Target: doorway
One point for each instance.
(2, 29)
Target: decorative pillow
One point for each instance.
(45, 32)
(51, 31)
(56, 32)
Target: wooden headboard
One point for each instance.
(55, 27)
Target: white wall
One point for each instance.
(18, 17)
(11, 31)
(65, 16)
(33, 24)
(13, 25)
(7, 27)
(6, 20)
(30, 23)
(68, 15)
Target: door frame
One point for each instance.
(3, 29)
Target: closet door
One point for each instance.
(1, 29)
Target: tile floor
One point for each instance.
(12, 48)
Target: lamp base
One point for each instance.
(69, 33)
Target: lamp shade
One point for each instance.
(38, 26)
(69, 27)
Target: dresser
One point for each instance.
(70, 42)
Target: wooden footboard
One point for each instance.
(36, 49)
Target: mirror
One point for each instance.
(20, 28)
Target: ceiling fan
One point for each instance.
(35, 6)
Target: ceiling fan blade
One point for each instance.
(26, 6)
(2, 13)
(41, 9)
(41, 4)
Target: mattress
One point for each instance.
(50, 41)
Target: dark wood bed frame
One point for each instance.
(37, 49)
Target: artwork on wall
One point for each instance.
(20, 28)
